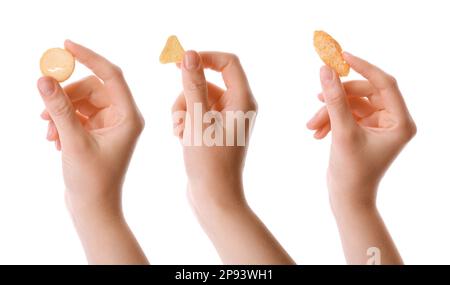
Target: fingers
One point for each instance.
(341, 117)
(383, 82)
(322, 132)
(84, 97)
(101, 67)
(109, 73)
(377, 77)
(215, 94)
(319, 119)
(360, 108)
(88, 89)
(195, 87)
(86, 108)
(58, 145)
(61, 111)
(179, 107)
(232, 72)
(45, 115)
(355, 88)
(52, 133)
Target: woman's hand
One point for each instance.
(370, 125)
(96, 124)
(214, 126)
(211, 161)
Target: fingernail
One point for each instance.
(46, 86)
(191, 60)
(326, 74)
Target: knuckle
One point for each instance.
(408, 130)
(141, 123)
(391, 81)
(233, 58)
(61, 108)
(334, 98)
(196, 85)
(138, 124)
(253, 104)
(116, 71)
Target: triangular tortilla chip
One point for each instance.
(172, 52)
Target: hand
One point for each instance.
(96, 124)
(370, 125)
(209, 165)
(215, 159)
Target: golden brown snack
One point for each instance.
(330, 52)
(172, 52)
(57, 63)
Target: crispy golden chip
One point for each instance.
(57, 63)
(172, 52)
(330, 52)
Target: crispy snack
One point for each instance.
(172, 52)
(330, 52)
(57, 63)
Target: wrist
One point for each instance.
(219, 196)
(95, 206)
(352, 201)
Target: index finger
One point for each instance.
(101, 67)
(108, 72)
(380, 80)
(229, 65)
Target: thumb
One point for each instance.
(61, 111)
(194, 83)
(341, 117)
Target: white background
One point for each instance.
(285, 171)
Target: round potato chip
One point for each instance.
(330, 52)
(57, 63)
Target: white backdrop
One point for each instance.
(285, 170)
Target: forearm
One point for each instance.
(237, 233)
(364, 236)
(105, 236)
